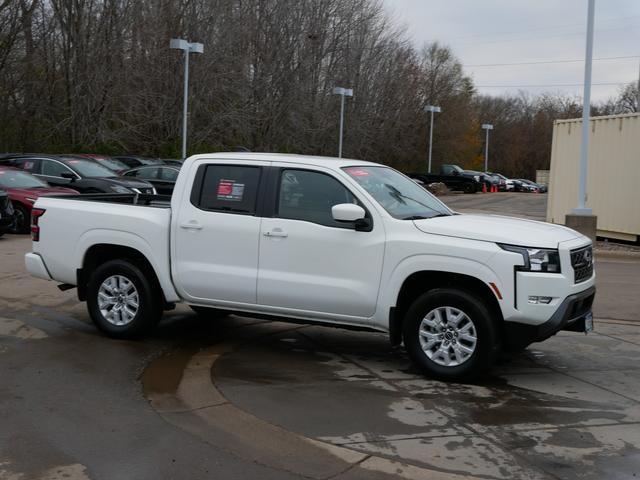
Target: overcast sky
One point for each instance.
(510, 31)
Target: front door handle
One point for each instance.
(276, 232)
(193, 225)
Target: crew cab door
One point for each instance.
(216, 231)
(308, 261)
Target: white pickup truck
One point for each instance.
(319, 240)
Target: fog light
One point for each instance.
(538, 300)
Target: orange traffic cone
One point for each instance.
(484, 187)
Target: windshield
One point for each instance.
(112, 164)
(14, 179)
(89, 168)
(399, 195)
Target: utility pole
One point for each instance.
(433, 109)
(343, 92)
(486, 127)
(187, 48)
(582, 218)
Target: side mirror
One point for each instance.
(69, 176)
(347, 212)
(455, 173)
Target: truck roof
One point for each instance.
(287, 158)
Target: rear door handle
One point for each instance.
(191, 226)
(276, 232)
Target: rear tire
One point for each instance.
(122, 300)
(450, 334)
(469, 188)
(209, 313)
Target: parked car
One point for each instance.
(535, 186)
(132, 161)
(111, 163)
(162, 177)
(502, 181)
(173, 162)
(454, 177)
(335, 241)
(81, 174)
(23, 190)
(529, 186)
(6, 213)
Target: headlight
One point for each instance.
(536, 259)
(29, 199)
(137, 190)
(476, 178)
(120, 189)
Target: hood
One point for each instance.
(37, 192)
(498, 229)
(128, 182)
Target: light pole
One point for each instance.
(487, 127)
(187, 48)
(433, 109)
(586, 114)
(343, 92)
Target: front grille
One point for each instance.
(582, 263)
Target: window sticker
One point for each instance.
(357, 172)
(230, 190)
(28, 165)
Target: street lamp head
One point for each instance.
(196, 47)
(347, 92)
(487, 126)
(181, 44)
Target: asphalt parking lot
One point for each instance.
(246, 398)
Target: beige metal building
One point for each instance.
(613, 181)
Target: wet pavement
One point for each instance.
(246, 398)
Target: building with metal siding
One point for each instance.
(613, 180)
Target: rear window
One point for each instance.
(229, 188)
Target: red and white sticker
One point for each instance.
(357, 172)
(230, 190)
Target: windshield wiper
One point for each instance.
(422, 217)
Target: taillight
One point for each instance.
(36, 213)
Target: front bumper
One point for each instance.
(570, 315)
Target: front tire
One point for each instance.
(450, 334)
(122, 301)
(469, 188)
(21, 219)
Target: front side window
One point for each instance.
(230, 188)
(400, 196)
(54, 169)
(308, 196)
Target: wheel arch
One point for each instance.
(422, 281)
(99, 253)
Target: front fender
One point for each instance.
(438, 263)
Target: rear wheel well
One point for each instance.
(104, 252)
(420, 282)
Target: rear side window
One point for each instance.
(229, 188)
(144, 173)
(168, 174)
(31, 165)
